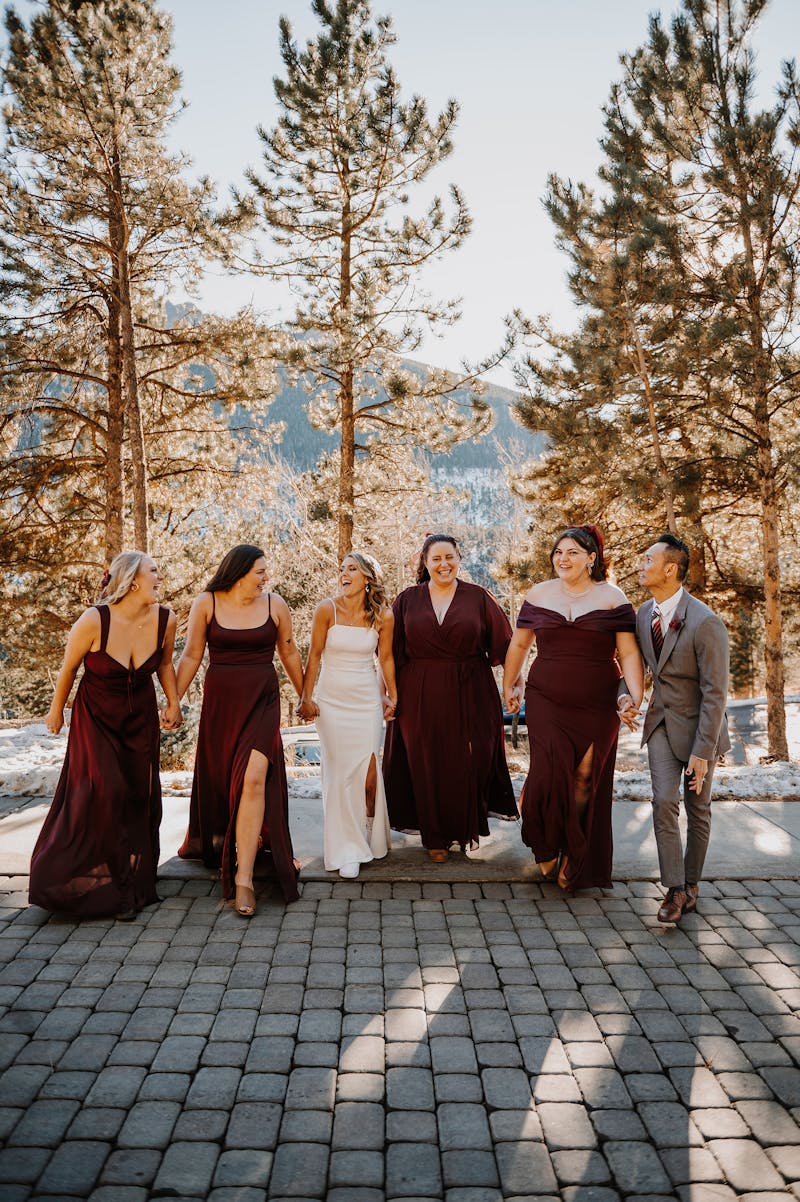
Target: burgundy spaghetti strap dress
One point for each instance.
(570, 706)
(444, 762)
(97, 853)
(241, 713)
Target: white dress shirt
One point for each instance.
(666, 610)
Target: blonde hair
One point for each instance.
(375, 599)
(121, 574)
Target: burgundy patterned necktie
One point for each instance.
(658, 634)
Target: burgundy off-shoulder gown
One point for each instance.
(241, 713)
(97, 853)
(570, 706)
(444, 763)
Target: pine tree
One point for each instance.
(337, 170)
(97, 225)
(707, 188)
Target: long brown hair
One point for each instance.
(236, 564)
(375, 599)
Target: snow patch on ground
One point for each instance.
(31, 759)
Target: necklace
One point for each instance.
(571, 593)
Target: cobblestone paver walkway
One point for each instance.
(379, 1042)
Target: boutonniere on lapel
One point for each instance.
(676, 624)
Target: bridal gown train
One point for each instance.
(350, 727)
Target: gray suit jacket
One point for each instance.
(690, 679)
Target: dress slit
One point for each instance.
(569, 710)
(350, 728)
(241, 714)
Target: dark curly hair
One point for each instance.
(590, 538)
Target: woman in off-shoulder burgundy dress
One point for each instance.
(239, 804)
(444, 762)
(583, 627)
(97, 853)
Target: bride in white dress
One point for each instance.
(349, 707)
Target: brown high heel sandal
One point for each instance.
(549, 868)
(245, 901)
(563, 882)
(439, 855)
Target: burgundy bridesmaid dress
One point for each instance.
(570, 706)
(97, 853)
(444, 763)
(241, 713)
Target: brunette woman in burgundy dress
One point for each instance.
(239, 800)
(583, 628)
(97, 853)
(444, 762)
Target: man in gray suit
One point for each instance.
(685, 646)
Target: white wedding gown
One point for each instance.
(350, 727)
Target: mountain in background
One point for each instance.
(302, 444)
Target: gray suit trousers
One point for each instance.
(666, 771)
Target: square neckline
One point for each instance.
(261, 625)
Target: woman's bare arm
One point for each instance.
(80, 640)
(196, 636)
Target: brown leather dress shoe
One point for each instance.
(691, 898)
(672, 906)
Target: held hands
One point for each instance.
(628, 712)
(308, 710)
(171, 716)
(389, 707)
(512, 697)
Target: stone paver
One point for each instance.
(394, 1042)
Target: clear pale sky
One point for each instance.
(530, 75)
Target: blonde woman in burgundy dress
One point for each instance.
(349, 706)
(97, 853)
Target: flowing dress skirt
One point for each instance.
(444, 764)
(97, 853)
(350, 727)
(241, 713)
(570, 706)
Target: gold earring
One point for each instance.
(134, 587)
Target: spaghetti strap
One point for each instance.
(333, 603)
(105, 624)
(163, 618)
(269, 606)
(213, 605)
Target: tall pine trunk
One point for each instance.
(133, 414)
(768, 492)
(130, 379)
(773, 618)
(347, 454)
(115, 433)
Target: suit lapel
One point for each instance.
(673, 630)
(645, 634)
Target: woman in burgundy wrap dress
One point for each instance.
(444, 762)
(97, 853)
(239, 800)
(582, 625)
